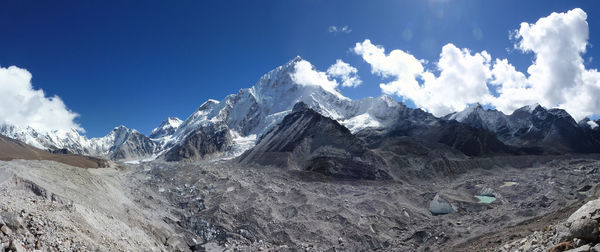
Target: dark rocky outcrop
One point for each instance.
(422, 126)
(532, 128)
(306, 140)
(208, 140)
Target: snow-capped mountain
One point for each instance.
(167, 127)
(307, 140)
(119, 144)
(476, 116)
(530, 126)
(253, 111)
(239, 119)
(233, 125)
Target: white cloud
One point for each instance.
(346, 72)
(512, 87)
(452, 90)
(557, 77)
(22, 105)
(342, 29)
(306, 74)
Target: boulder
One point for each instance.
(12, 220)
(16, 246)
(584, 248)
(583, 223)
(5, 230)
(439, 206)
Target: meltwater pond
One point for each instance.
(485, 199)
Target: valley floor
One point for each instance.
(221, 205)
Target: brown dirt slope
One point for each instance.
(13, 149)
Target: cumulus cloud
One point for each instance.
(556, 78)
(306, 74)
(346, 72)
(22, 105)
(450, 91)
(343, 29)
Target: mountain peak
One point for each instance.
(300, 106)
(463, 115)
(534, 107)
(167, 127)
(588, 123)
(120, 128)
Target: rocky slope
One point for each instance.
(422, 126)
(11, 149)
(578, 233)
(206, 141)
(308, 141)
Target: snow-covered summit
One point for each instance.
(477, 116)
(116, 141)
(167, 127)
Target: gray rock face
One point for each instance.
(208, 140)
(552, 130)
(306, 140)
(591, 128)
(439, 206)
(130, 144)
(420, 125)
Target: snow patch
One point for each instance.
(592, 124)
(361, 122)
(532, 107)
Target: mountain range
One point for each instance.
(320, 129)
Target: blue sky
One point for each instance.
(137, 62)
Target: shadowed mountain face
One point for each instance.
(306, 140)
(130, 144)
(206, 141)
(591, 128)
(551, 130)
(13, 149)
(422, 126)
